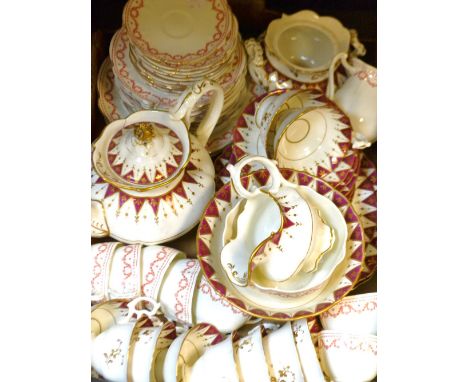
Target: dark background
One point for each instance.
(254, 17)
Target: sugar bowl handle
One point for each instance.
(270, 165)
(188, 99)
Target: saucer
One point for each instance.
(261, 304)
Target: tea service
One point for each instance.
(286, 215)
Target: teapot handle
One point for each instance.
(188, 99)
(270, 165)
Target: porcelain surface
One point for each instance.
(260, 304)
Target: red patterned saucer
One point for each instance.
(261, 304)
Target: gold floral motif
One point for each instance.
(114, 353)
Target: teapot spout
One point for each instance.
(99, 226)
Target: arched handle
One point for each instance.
(132, 308)
(270, 165)
(188, 99)
(331, 73)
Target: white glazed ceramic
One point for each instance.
(280, 351)
(166, 195)
(178, 31)
(306, 351)
(125, 272)
(305, 43)
(211, 308)
(216, 364)
(112, 350)
(106, 314)
(357, 97)
(295, 214)
(312, 136)
(197, 341)
(156, 261)
(250, 357)
(101, 260)
(177, 291)
(354, 314)
(128, 271)
(170, 359)
(303, 211)
(256, 129)
(348, 357)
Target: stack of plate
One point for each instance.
(162, 48)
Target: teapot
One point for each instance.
(357, 97)
(151, 178)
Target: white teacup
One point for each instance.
(348, 357)
(101, 260)
(281, 355)
(148, 348)
(250, 357)
(306, 351)
(353, 314)
(170, 360)
(156, 260)
(113, 349)
(109, 354)
(177, 290)
(125, 272)
(211, 308)
(107, 314)
(216, 364)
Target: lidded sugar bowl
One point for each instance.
(151, 178)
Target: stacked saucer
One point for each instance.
(164, 47)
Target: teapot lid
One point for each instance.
(141, 156)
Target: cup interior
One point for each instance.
(307, 47)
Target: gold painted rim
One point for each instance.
(289, 318)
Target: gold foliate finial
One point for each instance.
(144, 132)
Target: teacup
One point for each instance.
(112, 350)
(150, 342)
(353, 314)
(282, 358)
(306, 351)
(216, 364)
(101, 260)
(170, 359)
(178, 289)
(348, 357)
(211, 308)
(250, 357)
(107, 314)
(156, 260)
(190, 346)
(125, 272)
